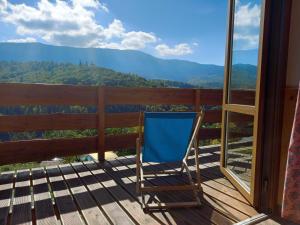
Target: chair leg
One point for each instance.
(138, 178)
(197, 163)
(196, 188)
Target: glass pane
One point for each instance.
(239, 146)
(246, 30)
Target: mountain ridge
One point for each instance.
(128, 61)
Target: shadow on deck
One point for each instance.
(90, 193)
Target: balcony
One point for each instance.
(93, 193)
(104, 192)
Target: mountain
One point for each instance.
(67, 73)
(245, 56)
(128, 61)
(243, 75)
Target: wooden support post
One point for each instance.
(101, 123)
(197, 109)
(197, 100)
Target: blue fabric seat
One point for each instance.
(167, 135)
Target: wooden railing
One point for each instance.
(99, 97)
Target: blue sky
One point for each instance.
(194, 30)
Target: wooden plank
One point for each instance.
(14, 94)
(44, 211)
(244, 97)
(61, 121)
(122, 119)
(216, 212)
(122, 141)
(215, 116)
(222, 188)
(102, 195)
(128, 203)
(50, 94)
(167, 188)
(101, 123)
(245, 208)
(116, 95)
(209, 133)
(221, 206)
(6, 189)
(197, 100)
(57, 121)
(63, 199)
(209, 164)
(211, 96)
(89, 208)
(192, 216)
(212, 116)
(254, 219)
(128, 184)
(22, 151)
(21, 213)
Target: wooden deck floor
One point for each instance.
(90, 193)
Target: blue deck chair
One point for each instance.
(168, 137)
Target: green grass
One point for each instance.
(18, 166)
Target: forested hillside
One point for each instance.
(67, 73)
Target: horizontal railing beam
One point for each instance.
(58, 121)
(43, 149)
(46, 94)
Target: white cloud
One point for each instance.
(3, 5)
(131, 40)
(247, 15)
(115, 29)
(247, 22)
(90, 4)
(137, 40)
(177, 50)
(72, 23)
(22, 40)
(248, 41)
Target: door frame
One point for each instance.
(275, 55)
(255, 111)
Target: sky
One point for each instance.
(193, 30)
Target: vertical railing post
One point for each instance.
(101, 123)
(197, 100)
(197, 109)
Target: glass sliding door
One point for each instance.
(242, 94)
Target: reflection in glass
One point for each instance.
(245, 47)
(238, 155)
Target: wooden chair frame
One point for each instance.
(194, 186)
